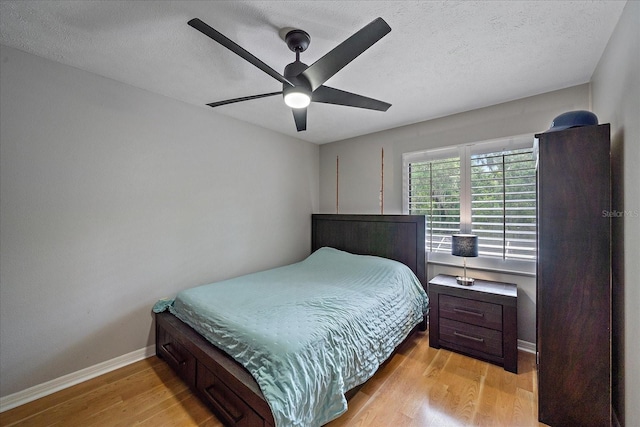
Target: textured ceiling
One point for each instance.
(441, 57)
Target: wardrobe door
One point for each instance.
(573, 277)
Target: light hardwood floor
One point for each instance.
(419, 386)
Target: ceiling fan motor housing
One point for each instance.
(293, 73)
(301, 85)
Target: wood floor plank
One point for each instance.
(419, 386)
(188, 412)
(133, 409)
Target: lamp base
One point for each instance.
(465, 281)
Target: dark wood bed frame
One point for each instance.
(225, 385)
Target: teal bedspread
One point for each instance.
(310, 331)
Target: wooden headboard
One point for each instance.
(397, 237)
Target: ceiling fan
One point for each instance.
(302, 83)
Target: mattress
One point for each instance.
(308, 332)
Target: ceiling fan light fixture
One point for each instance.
(297, 97)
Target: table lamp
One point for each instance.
(464, 245)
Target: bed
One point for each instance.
(293, 376)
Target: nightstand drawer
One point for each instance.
(473, 337)
(466, 310)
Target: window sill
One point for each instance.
(517, 268)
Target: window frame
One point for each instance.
(465, 151)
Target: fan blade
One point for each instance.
(300, 116)
(244, 98)
(325, 67)
(329, 95)
(237, 49)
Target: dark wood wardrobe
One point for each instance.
(574, 277)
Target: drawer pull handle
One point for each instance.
(469, 337)
(167, 347)
(472, 313)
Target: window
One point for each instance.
(488, 189)
(434, 191)
(503, 204)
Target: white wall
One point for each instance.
(616, 99)
(360, 167)
(112, 197)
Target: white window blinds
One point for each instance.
(434, 191)
(488, 189)
(503, 204)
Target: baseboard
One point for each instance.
(529, 347)
(36, 392)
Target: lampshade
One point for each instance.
(465, 245)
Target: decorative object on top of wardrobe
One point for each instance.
(464, 245)
(572, 119)
(302, 83)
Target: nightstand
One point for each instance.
(479, 321)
